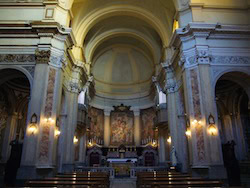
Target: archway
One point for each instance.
(14, 99)
(232, 99)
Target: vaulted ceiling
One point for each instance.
(123, 42)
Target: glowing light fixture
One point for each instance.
(49, 120)
(212, 130)
(32, 129)
(75, 140)
(188, 132)
(169, 140)
(57, 132)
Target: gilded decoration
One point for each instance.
(197, 114)
(122, 128)
(44, 146)
(96, 123)
(147, 117)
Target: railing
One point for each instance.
(111, 171)
(134, 170)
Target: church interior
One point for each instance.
(124, 93)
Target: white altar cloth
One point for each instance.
(119, 160)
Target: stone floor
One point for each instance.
(123, 183)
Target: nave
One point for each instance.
(122, 87)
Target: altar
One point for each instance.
(122, 166)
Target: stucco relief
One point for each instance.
(229, 60)
(44, 146)
(147, 117)
(197, 114)
(96, 124)
(122, 128)
(17, 58)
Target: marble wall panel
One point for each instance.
(44, 143)
(197, 114)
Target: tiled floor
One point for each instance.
(123, 183)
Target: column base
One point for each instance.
(68, 168)
(210, 172)
(32, 172)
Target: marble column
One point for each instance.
(71, 97)
(82, 150)
(162, 145)
(137, 128)
(107, 130)
(182, 127)
(9, 135)
(176, 119)
(61, 141)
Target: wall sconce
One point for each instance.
(188, 132)
(49, 120)
(169, 140)
(195, 122)
(211, 119)
(57, 132)
(75, 140)
(212, 130)
(33, 118)
(32, 129)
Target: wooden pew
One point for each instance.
(167, 184)
(166, 179)
(87, 179)
(84, 184)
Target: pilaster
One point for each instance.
(39, 148)
(206, 149)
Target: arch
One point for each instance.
(97, 15)
(120, 32)
(231, 70)
(21, 69)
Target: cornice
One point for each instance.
(235, 7)
(21, 4)
(195, 27)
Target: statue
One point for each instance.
(173, 157)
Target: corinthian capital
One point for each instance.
(170, 83)
(42, 56)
